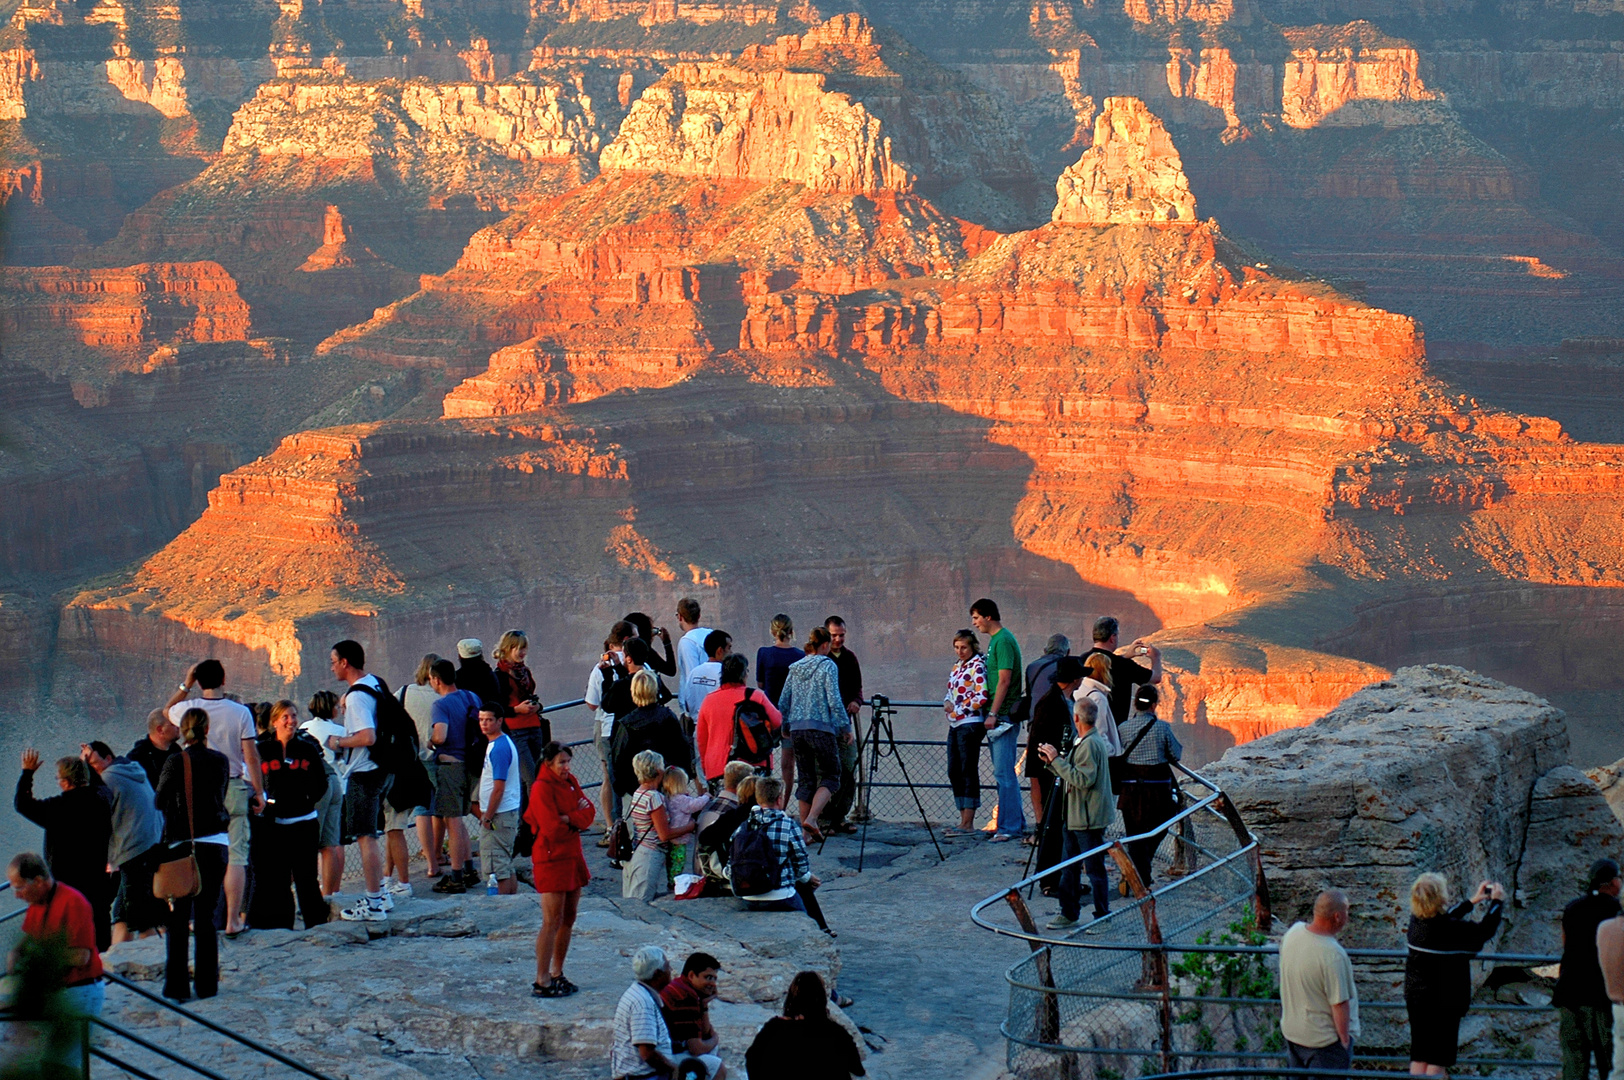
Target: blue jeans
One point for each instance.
(1075, 842)
(964, 764)
(1011, 815)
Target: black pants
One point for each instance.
(964, 764)
(289, 852)
(97, 888)
(809, 897)
(1052, 834)
(1145, 805)
(199, 912)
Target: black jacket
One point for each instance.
(475, 675)
(803, 1050)
(295, 780)
(1581, 982)
(77, 823)
(210, 770)
(850, 674)
(1051, 723)
(652, 727)
(1438, 973)
(617, 693)
(152, 759)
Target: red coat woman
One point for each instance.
(558, 813)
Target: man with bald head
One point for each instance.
(1319, 1002)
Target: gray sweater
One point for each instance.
(137, 824)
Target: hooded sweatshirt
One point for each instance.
(1104, 722)
(137, 825)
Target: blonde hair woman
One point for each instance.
(1096, 687)
(1437, 973)
(521, 708)
(644, 877)
(648, 727)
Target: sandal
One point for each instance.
(813, 833)
(564, 987)
(551, 990)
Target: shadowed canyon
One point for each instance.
(1289, 331)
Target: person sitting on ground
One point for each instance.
(498, 804)
(818, 723)
(1585, 1031)
(795, 881)
(558, 813)
(1319, 1001)
(323, 707)
(1089, 808)
(78, 824)
(716, 732)
(703, 679)
(683, 806)
(721, 819)
(644, 876)
(640, 1042)
(455, 725)
(57, 911)
(1441, 941)
(136, 846)
(648, 726)
(161, 742)
(295, 781)
(686, 1004)
(805, 1043)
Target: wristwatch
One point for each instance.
(184, 688)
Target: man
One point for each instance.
(77, 824)
(455, 716)
(1089, 810)
(475, 674)
(135, 847)
(691, 646)
(1580, 997)
(1039, 678)
(1610, 955)
(498, 805)
(714, 731)
(366, 784)
(1126, 670)
(58, 910)
(705, 677)
(1052, 723)
(231, 731)
(1003, 686)
(686, 1000)
(640, 1041)
(162, 740)
(851, 692)
(610, 666)
(1319, 1002)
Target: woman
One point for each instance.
(773, 661)
(649, 726)
(295, 777)
(1147, 777)
(1096, 687)
(804, 1043)
(816, 717)
(330, 808)
(644, 877)
(559, 812)
(1437, 973)
(418, 699)
(645, 630)
(192, 796)
(966, 705)
(521, 709)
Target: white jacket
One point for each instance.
(1104, 722)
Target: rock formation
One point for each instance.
(1130, 175)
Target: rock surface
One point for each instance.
(1130, 175)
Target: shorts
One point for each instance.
(238, 797)
(363, 804)
(330, 814)
(496, 845)
(134, 905)
(817, 761)
(451, 789)
(398, 820)
(712, 1062)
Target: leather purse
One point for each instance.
(179, 879)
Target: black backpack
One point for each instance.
(394, 748)
(754, 864)
(754, 740)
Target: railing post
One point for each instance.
(1262, 905)
(1153, 973)
(1049, 1011)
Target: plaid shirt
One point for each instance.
(789, 847)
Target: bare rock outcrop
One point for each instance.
(1131, 175)
(1437, 768)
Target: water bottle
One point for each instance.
(490, 886)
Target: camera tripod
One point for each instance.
(882, 742)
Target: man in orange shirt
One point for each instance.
(714, 730)
(60, 911)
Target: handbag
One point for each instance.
(179, 879)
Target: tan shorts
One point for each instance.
(496, 846)
(238, 797)
(397, 819)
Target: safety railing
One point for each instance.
(1182, 975)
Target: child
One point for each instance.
(681, 807)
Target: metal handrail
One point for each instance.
(119, 1063)
(147, 1044)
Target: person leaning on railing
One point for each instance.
(1441, 942)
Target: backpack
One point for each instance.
(1022, 712)
(394, 748)
(754, 740)
(755, 862)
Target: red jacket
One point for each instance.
(556, 804)
(713, 730)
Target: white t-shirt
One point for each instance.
(690, 653)
(637, 1020)
(703, 679)
(360, 714)
(229, 724)
(594, 698)
(419, 704)
(501, 763)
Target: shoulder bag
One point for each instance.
(179, 879)
(1116, 764)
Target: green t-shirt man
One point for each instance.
(1004, 653)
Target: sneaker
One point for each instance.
(397, 888)
(999, 838)
(1060, 922)
(451, 885)
(361, 911)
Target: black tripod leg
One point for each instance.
(1043, 829)
(924, 817)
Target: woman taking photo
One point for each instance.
(1437, 972)
(295, 781)
(644, 877)
(559, 812)
(1096, 687)
(1147, 799)
(965, 705)
(192, 796)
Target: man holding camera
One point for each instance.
(1127, 664)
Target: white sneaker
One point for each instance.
(385, 902)
(397, 888)
(361, 911)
